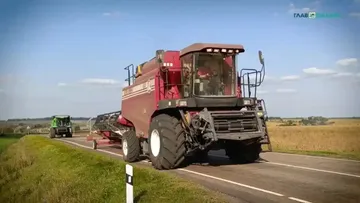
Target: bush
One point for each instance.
(315, 120)
(288, 123)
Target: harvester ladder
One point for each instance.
(266, 141)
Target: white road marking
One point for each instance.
(74, 143)
(299, 200)
(232, 182)
(112, 153)
(316, 157)
(313, 169)
(201, 174)
(302, 167)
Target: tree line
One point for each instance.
(46, 118)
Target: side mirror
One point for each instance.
(266, 117)
(261, 58)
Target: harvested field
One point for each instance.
(341, 139)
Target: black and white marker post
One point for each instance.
(129, 184)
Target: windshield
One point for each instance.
(214, 75)
(63, 122)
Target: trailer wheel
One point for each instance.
(130, 146)
(239, 153)
(166, 142)
(52, 133)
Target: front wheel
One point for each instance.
(52, 133)
(166, 142)
(130, 146)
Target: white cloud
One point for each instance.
(115, 13)
(99, 81)
(313, 71)
(344, 74)
(61, 84)
(1, 90)
(347, 61)
(286, 90)
(290, 77)
(358, 74)
(294, 9)
(269, 78)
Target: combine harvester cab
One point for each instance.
(60, 125)
(181, 104)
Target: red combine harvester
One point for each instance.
(181, 104)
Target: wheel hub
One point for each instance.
(155, 142)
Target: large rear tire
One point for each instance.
(243, 154)
(52, 133)
(166, 142)
(130, 146)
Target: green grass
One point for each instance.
(7, 140)
(36, 169)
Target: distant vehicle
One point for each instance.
(61, 125)
(181, 104)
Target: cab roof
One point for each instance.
(61, 116)
(200, 46)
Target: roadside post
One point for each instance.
(129, 184)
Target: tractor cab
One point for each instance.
(61, 121)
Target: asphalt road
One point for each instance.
(276, 178)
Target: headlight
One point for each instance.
(247, 102)
(260, 113)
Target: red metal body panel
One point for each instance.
(174, 75)
(139, 100)
(106, 139)
(139, 110)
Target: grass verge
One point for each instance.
(7, 140)
(36, 169)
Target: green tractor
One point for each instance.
(61, 125)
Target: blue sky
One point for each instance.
(67, 57)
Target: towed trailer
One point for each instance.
(107, 126)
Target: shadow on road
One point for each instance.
(222, 161)
(215, 158)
